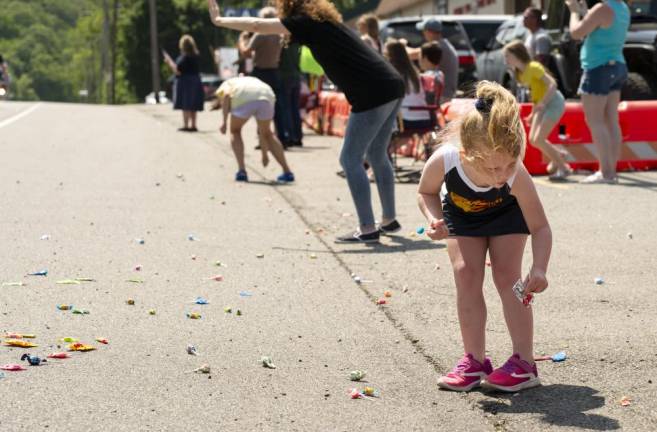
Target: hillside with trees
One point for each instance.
(98, 51)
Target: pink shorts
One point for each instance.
(261, 109)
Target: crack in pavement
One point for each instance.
(500, 423)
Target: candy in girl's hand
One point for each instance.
(519, 291)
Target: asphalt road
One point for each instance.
(95, 179)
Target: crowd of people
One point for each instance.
(474, 192)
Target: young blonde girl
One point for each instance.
(480, 198)
(549, 104)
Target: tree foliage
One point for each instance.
(55, 49)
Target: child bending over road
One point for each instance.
(243, 98)
(480, 198)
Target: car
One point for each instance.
(210, 83)
(490, 62)
(453, 31)
(640, 50)
(482, 28)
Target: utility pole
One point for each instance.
(155, 54)
(115, 17)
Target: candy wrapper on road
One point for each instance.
(19, 343)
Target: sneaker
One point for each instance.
(466, 375)
(241, 176)
(515, 375)
(390, 228)
(287, 177)
(597, 178)
(358, 237)
(560, 175)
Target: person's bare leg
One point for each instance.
(192, 117)
(274, 145)
(540, 129)
(185, 119)
(506, 263)
(594, 109)
(613, 125)
(236, 141)
(468, 257)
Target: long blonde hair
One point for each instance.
(187, 45)
(371, 24)
(493, 125)
(318, 10)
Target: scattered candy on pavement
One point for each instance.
(228, 309)
(191, 237)
(630, 236)
(45, 237)
(2, 375)
(102, 340)
(357, 375)
(238, 312)
(12, 367)
(420, 230)
(558, 357)
(260, 255)
(64, 307)
(191, 350)
(387, 293)
(59, 355)
(19, 336)
(19, 343)
(80, 312)
(599, 281)
(138, 267)
(140, 241)
(193, 315)
(32, 360)
(39, 273)
(313, 256)
(137, 281)
(625, 401)
(355, 394)
(152, 312)
(245, 294)
(130, 302)
(9, 284)
(85, 279)
(201, 301)
(370, 391)
(204, 369)
(381, 301)
(267, 362)
(80, 347)
(68, 282)
(68, 339)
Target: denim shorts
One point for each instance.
(604, 79)
(555, 108)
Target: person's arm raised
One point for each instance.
(252, 25)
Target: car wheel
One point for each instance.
(637, 88)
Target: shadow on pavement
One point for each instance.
(394, 245)
(558, 404)
(635, 182)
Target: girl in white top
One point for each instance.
(243, 98)
(415, 96)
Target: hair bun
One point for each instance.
(484, 105)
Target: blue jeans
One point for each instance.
(367, 137)
(290, 103)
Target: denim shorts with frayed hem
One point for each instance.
(602, 80)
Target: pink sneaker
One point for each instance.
(466, 375)
(515, 375)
